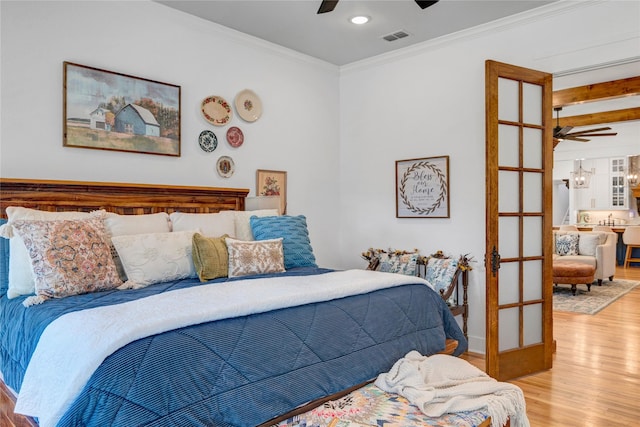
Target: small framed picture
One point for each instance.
(272, 183)
(422, 188)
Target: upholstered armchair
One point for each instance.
(588, 247)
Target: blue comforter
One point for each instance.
(241, 371)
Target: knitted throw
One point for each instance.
(442, 384)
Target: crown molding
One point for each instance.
(502, 24)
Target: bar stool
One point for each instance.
(631, 238)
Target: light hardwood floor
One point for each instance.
(595, 379)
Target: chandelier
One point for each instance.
(580, 177)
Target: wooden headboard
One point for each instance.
(121, 198)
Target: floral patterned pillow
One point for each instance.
(255, 256)
(68, 257)
(567, 244)
(440, 272)
(402, 263)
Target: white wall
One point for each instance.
(338, 133)
(429, 101)
(298, 131)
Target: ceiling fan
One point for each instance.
(329, 5)
(564, 133)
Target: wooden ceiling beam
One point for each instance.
(601, 118)
(597, 92)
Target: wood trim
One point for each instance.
(614, 116)
(597, 92)
(120, 198)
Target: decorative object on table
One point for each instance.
(208, 141)
(225, 166)
(101, 111)
(248, 105)
(272, 183)
(422, 188)
(216, 110)
(235, 137)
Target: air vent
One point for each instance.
(396, 35)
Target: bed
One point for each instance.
(237, 366)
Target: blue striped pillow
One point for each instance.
(295, 237)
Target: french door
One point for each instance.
(519, 163)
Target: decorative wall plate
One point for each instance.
(248, 105)
(208, 141)
(225, 166)
(216, 110)
(235, 137)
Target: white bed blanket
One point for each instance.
(442, 384)
(73, 346)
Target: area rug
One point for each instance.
(590, 302)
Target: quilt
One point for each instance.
(238, 371)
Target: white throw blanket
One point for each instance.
(73, 346)
(442, 384)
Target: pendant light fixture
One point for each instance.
(580, 177)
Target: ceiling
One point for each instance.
(295, 24)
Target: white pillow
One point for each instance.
(155, 257)
(587, 243)
(120, 225)
(242, 225)
(21, 277)
(210, 225)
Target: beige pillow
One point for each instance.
(68, 257)
(255, 257)
(210, 225)
(210, 257)
(21, 278)
(587, 243)
(242, 225)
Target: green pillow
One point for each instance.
(210, 257)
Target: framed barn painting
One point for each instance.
(112, 111)
(272, 183)
(422, 188)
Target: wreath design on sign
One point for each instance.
(441, 196)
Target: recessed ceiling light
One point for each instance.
(359, 20)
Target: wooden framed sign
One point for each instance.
(422, 188)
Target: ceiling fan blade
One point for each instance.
(425, 4)
(573, 138)
(327, 6)
(559, 133)
(590, 131)
(598, 134)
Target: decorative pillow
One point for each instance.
(210, 225)
(295, 238)
(210, 257)
(440, 272)
(567, 244)
(255, 257)
(155, 257)
(243, 227)
(21, 278)
(68, 257)
(402, 263)
(121, 225)
(587, 243)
